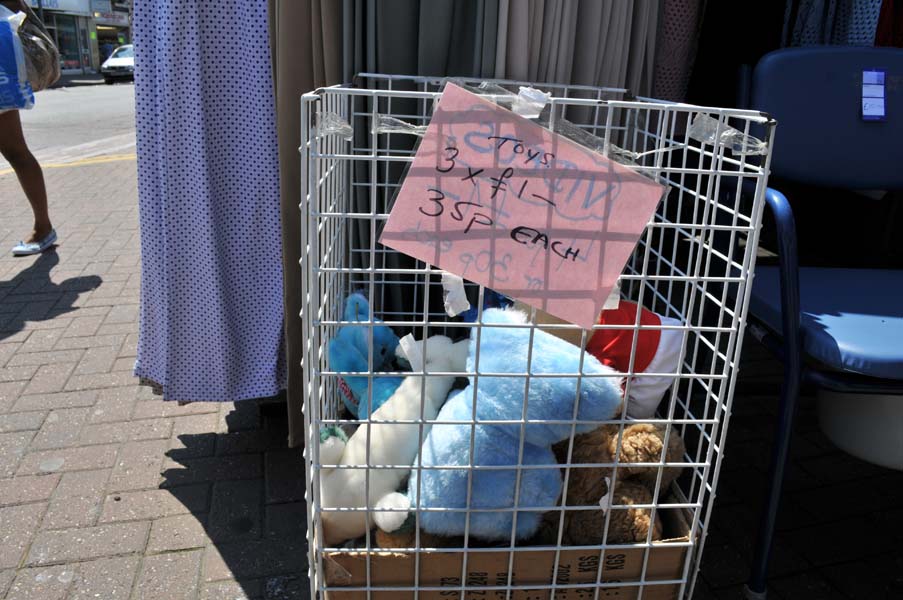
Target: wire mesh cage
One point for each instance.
(522, 457)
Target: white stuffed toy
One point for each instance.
(390, 443)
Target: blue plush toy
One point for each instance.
(348, 351)
(504, 350)
(491, 299)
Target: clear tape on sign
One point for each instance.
(407, 348)
(386, 124)
(455, 296)
(528, 102)
(614, 298)
(330, 123)
(492, 92)
(705, 129)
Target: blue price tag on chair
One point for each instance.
(873, 89)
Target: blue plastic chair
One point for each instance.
(839, 329)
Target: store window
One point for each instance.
(67, 40)
(108, 39)
(83, 43)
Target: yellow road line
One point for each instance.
(95, 160)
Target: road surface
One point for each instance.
(74, 124)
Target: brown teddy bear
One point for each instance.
(585, 527)
(640, 443)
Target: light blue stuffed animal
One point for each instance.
(348, 351)
(504, 350)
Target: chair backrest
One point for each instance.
(821, 138)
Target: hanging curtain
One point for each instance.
(675, 52)
(890, 24)
(307, 54)
(724, 58)
(536, 40)
(408, 37)
(836, 22)
(607, 43)
(208, 181)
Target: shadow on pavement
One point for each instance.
(32, 296)
(254, 516)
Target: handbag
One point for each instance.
(42, 58)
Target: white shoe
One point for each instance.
(23, 249)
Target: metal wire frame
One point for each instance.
(694, 263)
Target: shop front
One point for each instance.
(69, 22)
(112, 26)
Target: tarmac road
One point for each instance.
(86, 123)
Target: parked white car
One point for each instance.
(120, 65)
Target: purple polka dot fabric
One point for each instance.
(208, 177)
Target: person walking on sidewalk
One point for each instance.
(16, 152)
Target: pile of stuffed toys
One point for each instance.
(528, 421)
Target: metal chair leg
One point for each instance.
(756, 587)
(790, 316)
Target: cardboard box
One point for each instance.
(574, 335)
(531, 567)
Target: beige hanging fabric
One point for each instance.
(643, 39)
(591, 42)
(536, 40)
(307, 43)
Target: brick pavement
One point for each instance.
(105, 491)
(840, 531)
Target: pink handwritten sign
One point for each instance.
(503, 202)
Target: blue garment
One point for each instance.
(208, 177)
(831, 22)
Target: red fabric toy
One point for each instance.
(657, 351)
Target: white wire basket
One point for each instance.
(631, 495)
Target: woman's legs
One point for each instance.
(14, 150)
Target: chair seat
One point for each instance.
(852, 319)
